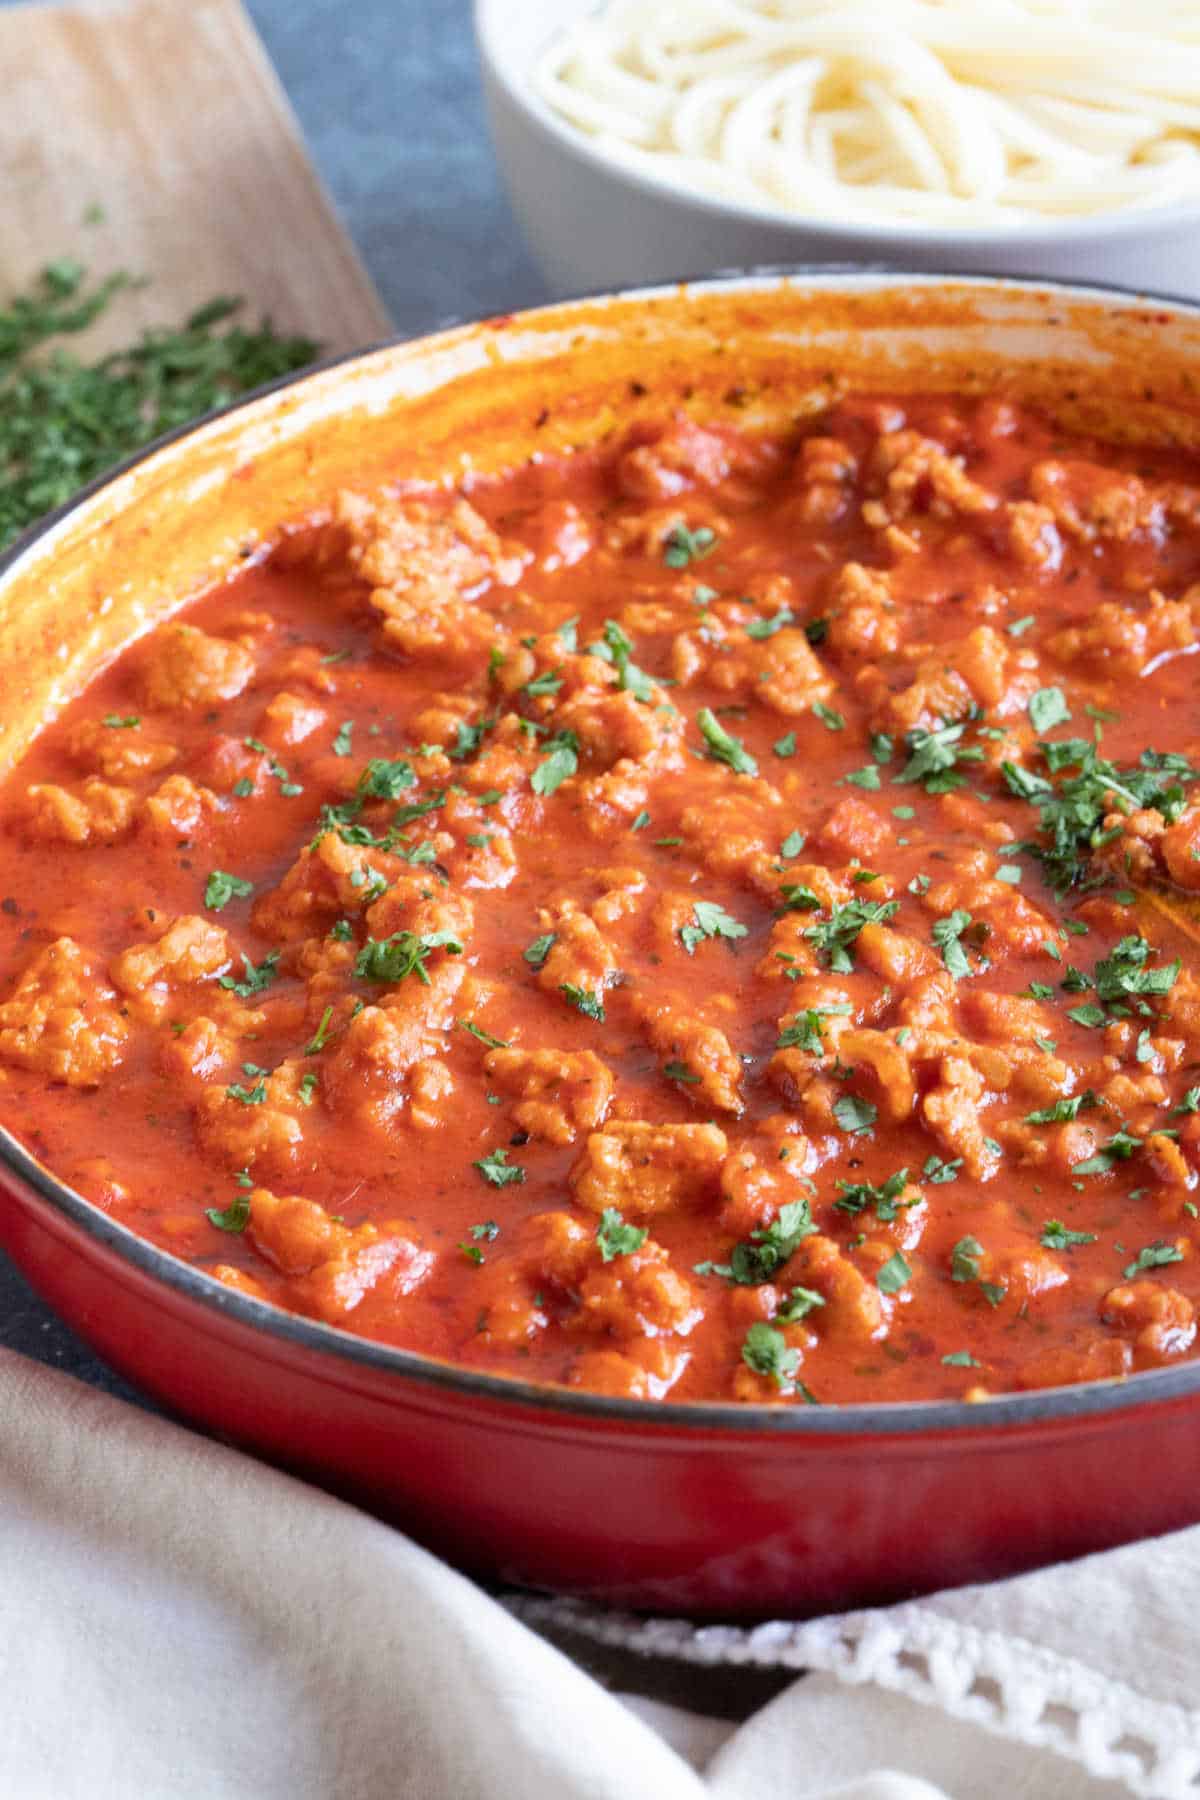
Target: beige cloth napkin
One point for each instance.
(177, 1621)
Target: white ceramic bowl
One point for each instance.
(594, 224)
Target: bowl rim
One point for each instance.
(1070, 231)
(1075, 1403)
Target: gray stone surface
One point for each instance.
(387, 93)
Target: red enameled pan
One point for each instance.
(718, 1510)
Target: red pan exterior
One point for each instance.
(705, 1521)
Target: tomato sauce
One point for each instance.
(711, 916)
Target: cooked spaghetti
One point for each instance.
(983, 114)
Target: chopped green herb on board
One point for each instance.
(65, 420)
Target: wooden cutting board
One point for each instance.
(154, 136)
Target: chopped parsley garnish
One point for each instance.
(222, 887)
(960, 1359)
(681, 546)
(339, 819)
(804, 1032)
(867, 777)
(856, 1196)
(467, 739)
(485, 1233)
(386, 780)
(541, 685)
(934, 758)
(1123, 973)
(289, 789)
(797, 897)
(588, 1003)
(370, 879)
(947, 934)
(679, 1071)
(256, 979)
(1119, 1148)
(308, 1087)
(768, 1352)
(417, 809)
(937, 1171)
(792, 844)
(1062, 1110)
(615, 1238)
(1189, 1104)
(723, 747)
(765, 628)
(1154, 1256)
(1048, 708)
(1057, 1236)
(536, 953)
(559, 763)
(618, 650)
(243, 789)
(333, 818)
(854, 1115)
(894, 1274)
(641, 822)
(829, 716)
(485, 1037)
(343, 743)
(248, 1096)
(425, 852)
(1072, 811)
(965, 1259)
(798, 1304)
(320, 1036)
(392, 958)
(1018, 627)
(786, 745)
(836, 936)
(496, 1168)
(709, 921)
(235, 1217)
(117, 722)
(965, 1265)
(756, 1258)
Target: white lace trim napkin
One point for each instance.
(178, 1621)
